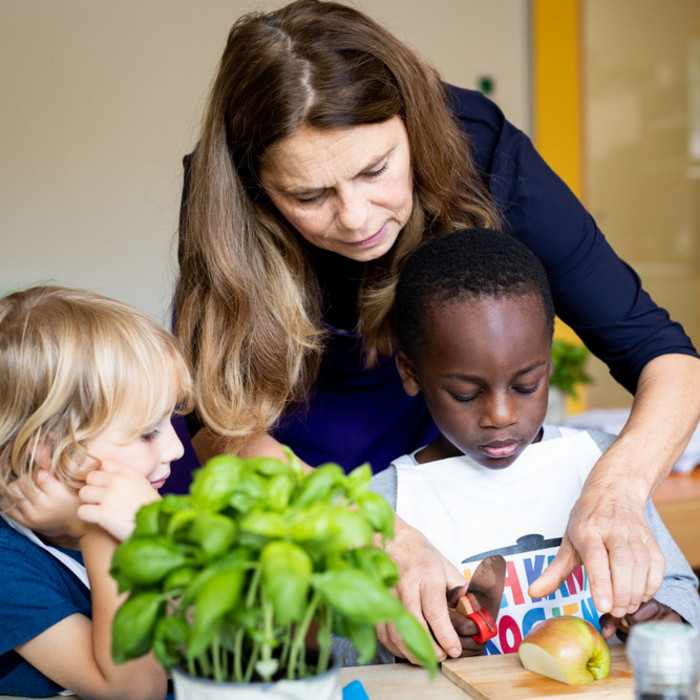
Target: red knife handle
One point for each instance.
(482, 619)
(488, 628)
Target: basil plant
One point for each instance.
(261, 561)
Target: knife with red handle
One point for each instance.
(479, 602)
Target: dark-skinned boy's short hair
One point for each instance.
(466, 264)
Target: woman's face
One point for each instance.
(346, 190)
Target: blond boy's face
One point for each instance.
(150, 453)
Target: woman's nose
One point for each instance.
(352, 211)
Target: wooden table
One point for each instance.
(401, 682)
(486, 677)
(678, 501)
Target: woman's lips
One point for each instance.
(372, 240)
(501, 449)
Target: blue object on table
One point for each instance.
(355, 691)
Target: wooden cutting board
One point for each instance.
(502, 677)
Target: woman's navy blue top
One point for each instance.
(355, 415)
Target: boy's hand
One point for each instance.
(112, 496)
(651, 610)
(465, 628)
(50, 510)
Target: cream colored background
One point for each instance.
(641, 62)
(101, 99)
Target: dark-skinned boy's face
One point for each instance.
(484, 373)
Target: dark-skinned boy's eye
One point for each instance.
(527, 390)
(464, 399)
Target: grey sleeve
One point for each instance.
(386, 484)
(679, 589)
(603, 440)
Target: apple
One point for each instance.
(566, 648)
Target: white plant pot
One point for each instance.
(323, 687)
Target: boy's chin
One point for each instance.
(496, 462)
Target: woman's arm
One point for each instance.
(607, 529)
(76, 652)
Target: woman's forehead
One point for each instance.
(314, 158)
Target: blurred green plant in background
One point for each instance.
(569, 361)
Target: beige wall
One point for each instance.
(101, 98)
(642, 68)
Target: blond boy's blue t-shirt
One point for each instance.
(36, 591)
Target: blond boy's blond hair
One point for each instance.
(70, 361)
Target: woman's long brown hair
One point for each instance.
(246, 298)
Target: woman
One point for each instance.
(329, 152)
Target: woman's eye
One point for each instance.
(375, 173)
(310, 200)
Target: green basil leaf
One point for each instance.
(286, 575)
(214, 484)
(169, 639)
(379, 564)
(132, 628)
(359, 478)
(215, 533)
(357, 596)
(320, 485)
(312, 525)
(353, 529)
(179, 579)
(335, 526)
(267, 466)
(250, 493)
(147, 520)
(238, 558)
(217, 596)
(180, 521)
(174, 503)
(148, 560)
(279, 491)
(417, 640)
(378, 512)
(363, 637)
(294, 463)
(259, 522)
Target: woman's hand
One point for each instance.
(651, 610)
(425, 578)
(112, 496)
(607, 531)
(50, 509)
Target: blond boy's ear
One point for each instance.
(408, 374)
(42, 453)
